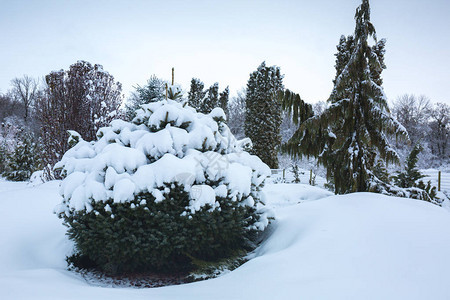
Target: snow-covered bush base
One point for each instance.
(172, 186)
(420, 192)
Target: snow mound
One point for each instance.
(287, 194)
(356, 246)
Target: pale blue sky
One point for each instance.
(224, 41)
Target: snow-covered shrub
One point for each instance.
(296, 172)
(407, 183)
(171, 187)
(422, 191)
(411, 174)
(3, 158)
(8, 141)
(24, 159)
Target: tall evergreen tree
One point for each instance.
(196, 94)
(350, 133)
(263, 113)
(212, 99)
(223, 100)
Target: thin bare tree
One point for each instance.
(25, 90)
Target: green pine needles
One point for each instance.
(148, 235)
(196, 94)
(205, 101)
(411, 174)
(23, 160)
(161, 193)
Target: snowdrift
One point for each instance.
(357, 246)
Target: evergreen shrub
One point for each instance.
(169, 189)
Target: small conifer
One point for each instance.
(24, 160)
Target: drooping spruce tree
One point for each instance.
(263, 113)
(196, 93)
(352, 132)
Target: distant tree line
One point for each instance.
(36, 116)
(428, 125)
(85, 97)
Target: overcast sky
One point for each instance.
(225, 41)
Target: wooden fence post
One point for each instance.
(173, 76)
(439, 181)
(166, 90)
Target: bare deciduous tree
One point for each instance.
(413, 113)
(83, 98)
(25, 90)
(8, 107)
(440, 130)
(236, 114)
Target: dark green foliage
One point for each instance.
(196, 94)
(174, 92)
(420, 191)
(429, 190)
(223, 100)
(300, 111)
(3, 158)
(145, 235)
(409, 177)
(263, 113)
(211, 100)
(406, 182)
(206, 101)
(349, 135)
(24, 160)
(176, 231)
(380, 172)
(295, 106)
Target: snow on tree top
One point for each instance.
(166, 143)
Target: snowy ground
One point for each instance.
(357, 246)
(286, 175)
